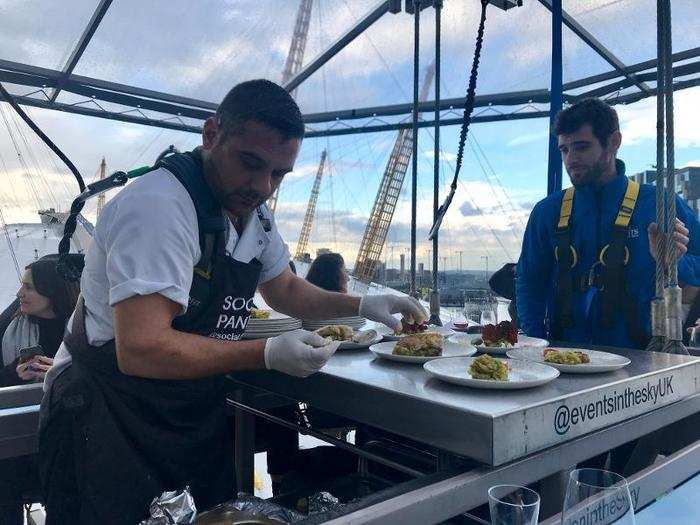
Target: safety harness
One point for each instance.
(610, 281)
(211, 222)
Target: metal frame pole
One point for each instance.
(554, 169)
(435, 292)
(414, 156)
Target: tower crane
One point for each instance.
(310, 211)
(387, 196)
(293, 63)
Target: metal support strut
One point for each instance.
(435, 292)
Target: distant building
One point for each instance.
(687, 184)
(402, 266)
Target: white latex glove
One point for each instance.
(381, 307)
(298, 353)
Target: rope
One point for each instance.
(11, 101)
(467, 117)
(471, 91)
(670, 156)
(660, 175)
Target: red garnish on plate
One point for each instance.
(503, 331)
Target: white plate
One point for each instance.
(384, 350)
(600, 361)
(522, 374)
(389, 334)
(524, 341)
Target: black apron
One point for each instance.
(110, 442)
(134, 438)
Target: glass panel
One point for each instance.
(42, 33)
(628, 27)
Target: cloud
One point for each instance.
(527, 138)
(444, 155)
(468, 209)
(638, 121)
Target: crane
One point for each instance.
(310, 211)
(293, 63)
(387, 196)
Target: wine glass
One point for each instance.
(694, 340)
(597, 496)
(513, 504)
(488, 314)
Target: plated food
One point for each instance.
(486, 367)
(565, 357)
(390, 335)
(521, 374)
(572, 360)
(502, 335)
(385, 350)
(412, 328)
(420, 345)
(256, 313)
(336, 332)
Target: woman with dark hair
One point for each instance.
(328, 272)
(31, 330)
(35, 322)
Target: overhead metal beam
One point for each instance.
(173, 124)
(83, 42)
(27, 75)
(138, 98)
(597, 46)
(44, 77)
(126, 116)
(370, 18)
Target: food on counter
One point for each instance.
(412, 328)
(565, 357)
(486, 367)
(336, 332)
(502, 335)
(259, 314)
(420, 345)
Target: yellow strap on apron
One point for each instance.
(628, 204)
(567, 205)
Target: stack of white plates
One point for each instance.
(274, 325)
(353, 322)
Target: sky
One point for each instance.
(201, 50)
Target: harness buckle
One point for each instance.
(574, 255)
(601, 257)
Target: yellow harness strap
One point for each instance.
(628, 204)
(567, 206)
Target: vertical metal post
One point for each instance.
(435, 292)
(556, 100)
(414, 157)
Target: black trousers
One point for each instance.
(57, 464)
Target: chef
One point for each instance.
(134, 403)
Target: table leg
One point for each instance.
(244, 448)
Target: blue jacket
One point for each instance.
(591, 225)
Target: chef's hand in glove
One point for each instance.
(298, 353)
(381, 307)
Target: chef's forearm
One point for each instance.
(297, 297)
(180, 355)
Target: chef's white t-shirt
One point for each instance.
(146, 241)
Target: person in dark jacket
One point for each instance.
(589, 138)
(37, 318)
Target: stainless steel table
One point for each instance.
(520, 436)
